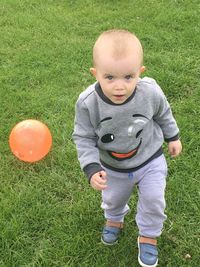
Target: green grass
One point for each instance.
(49, 216)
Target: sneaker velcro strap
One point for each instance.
(147, 240)
(115, 224)
(148, 249)
(111, 230)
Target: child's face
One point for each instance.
(117, 76)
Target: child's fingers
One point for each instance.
(101, 187)
(98, 183)
(98, 186)
(102, 180)
(174, 152)
(175, 148)
(102, 174)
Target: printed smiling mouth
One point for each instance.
(123, 156)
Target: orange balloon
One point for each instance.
(30, 140)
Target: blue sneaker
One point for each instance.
(111, 232)
(148, 253)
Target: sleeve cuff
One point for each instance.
(91, 169)
(174, 138)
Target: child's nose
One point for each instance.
(119, 84)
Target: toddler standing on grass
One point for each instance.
(121, 123)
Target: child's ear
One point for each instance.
(93, 72)
(142, 69)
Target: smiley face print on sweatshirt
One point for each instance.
(121, 138)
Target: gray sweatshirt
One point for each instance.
(123, 137)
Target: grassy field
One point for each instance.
(49, 216)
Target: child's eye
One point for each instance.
(128, 77)
(109, 77)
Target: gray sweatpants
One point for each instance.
(151, 182)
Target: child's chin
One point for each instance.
(119, 100)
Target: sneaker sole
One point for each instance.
(108, 244)
(140, 262)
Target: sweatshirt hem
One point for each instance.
(156, 155)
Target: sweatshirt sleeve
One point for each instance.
(86, 140)
(164, 117)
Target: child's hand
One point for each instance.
(98, 180)
(175, 148)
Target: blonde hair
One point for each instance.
(120, 41)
